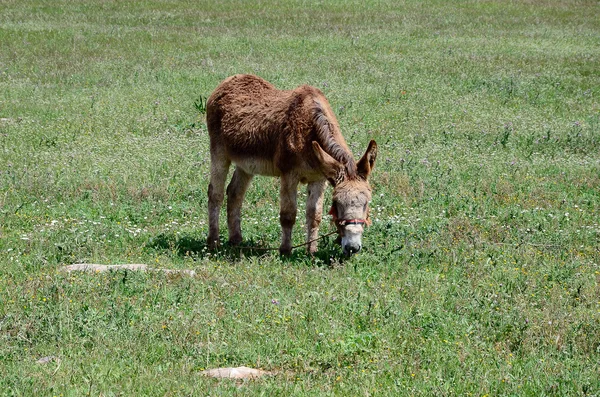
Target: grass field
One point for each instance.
(480, 274)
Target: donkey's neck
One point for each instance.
(330, 137)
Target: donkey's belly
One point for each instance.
(257, 166)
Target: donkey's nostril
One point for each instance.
(352, 249)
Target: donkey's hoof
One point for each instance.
(312, 249)
(235, 240)
(213, 243)
(285, 251)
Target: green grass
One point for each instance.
(479, 276)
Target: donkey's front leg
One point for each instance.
(314, 213)
(287, 211)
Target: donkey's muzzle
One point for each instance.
(352, 239)
(351, 249)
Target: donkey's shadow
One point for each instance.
(192, 246)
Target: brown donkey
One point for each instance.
(293, 135)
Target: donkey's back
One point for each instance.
(268, 131)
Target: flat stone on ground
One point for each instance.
(91, 267)
(235, 373)
(48, 359)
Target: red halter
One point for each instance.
(345, 222)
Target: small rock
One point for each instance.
(235, 373)
(47, 359)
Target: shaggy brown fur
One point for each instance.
(290, 134)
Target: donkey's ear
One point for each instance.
(367, 162)
(334, 171)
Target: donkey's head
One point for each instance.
(351, 195)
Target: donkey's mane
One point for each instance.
(327, 137)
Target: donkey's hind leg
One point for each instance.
(219, 167)
(314, 214)
(235, 197)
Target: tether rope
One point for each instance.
(293, 248)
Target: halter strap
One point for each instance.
(344, 222)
